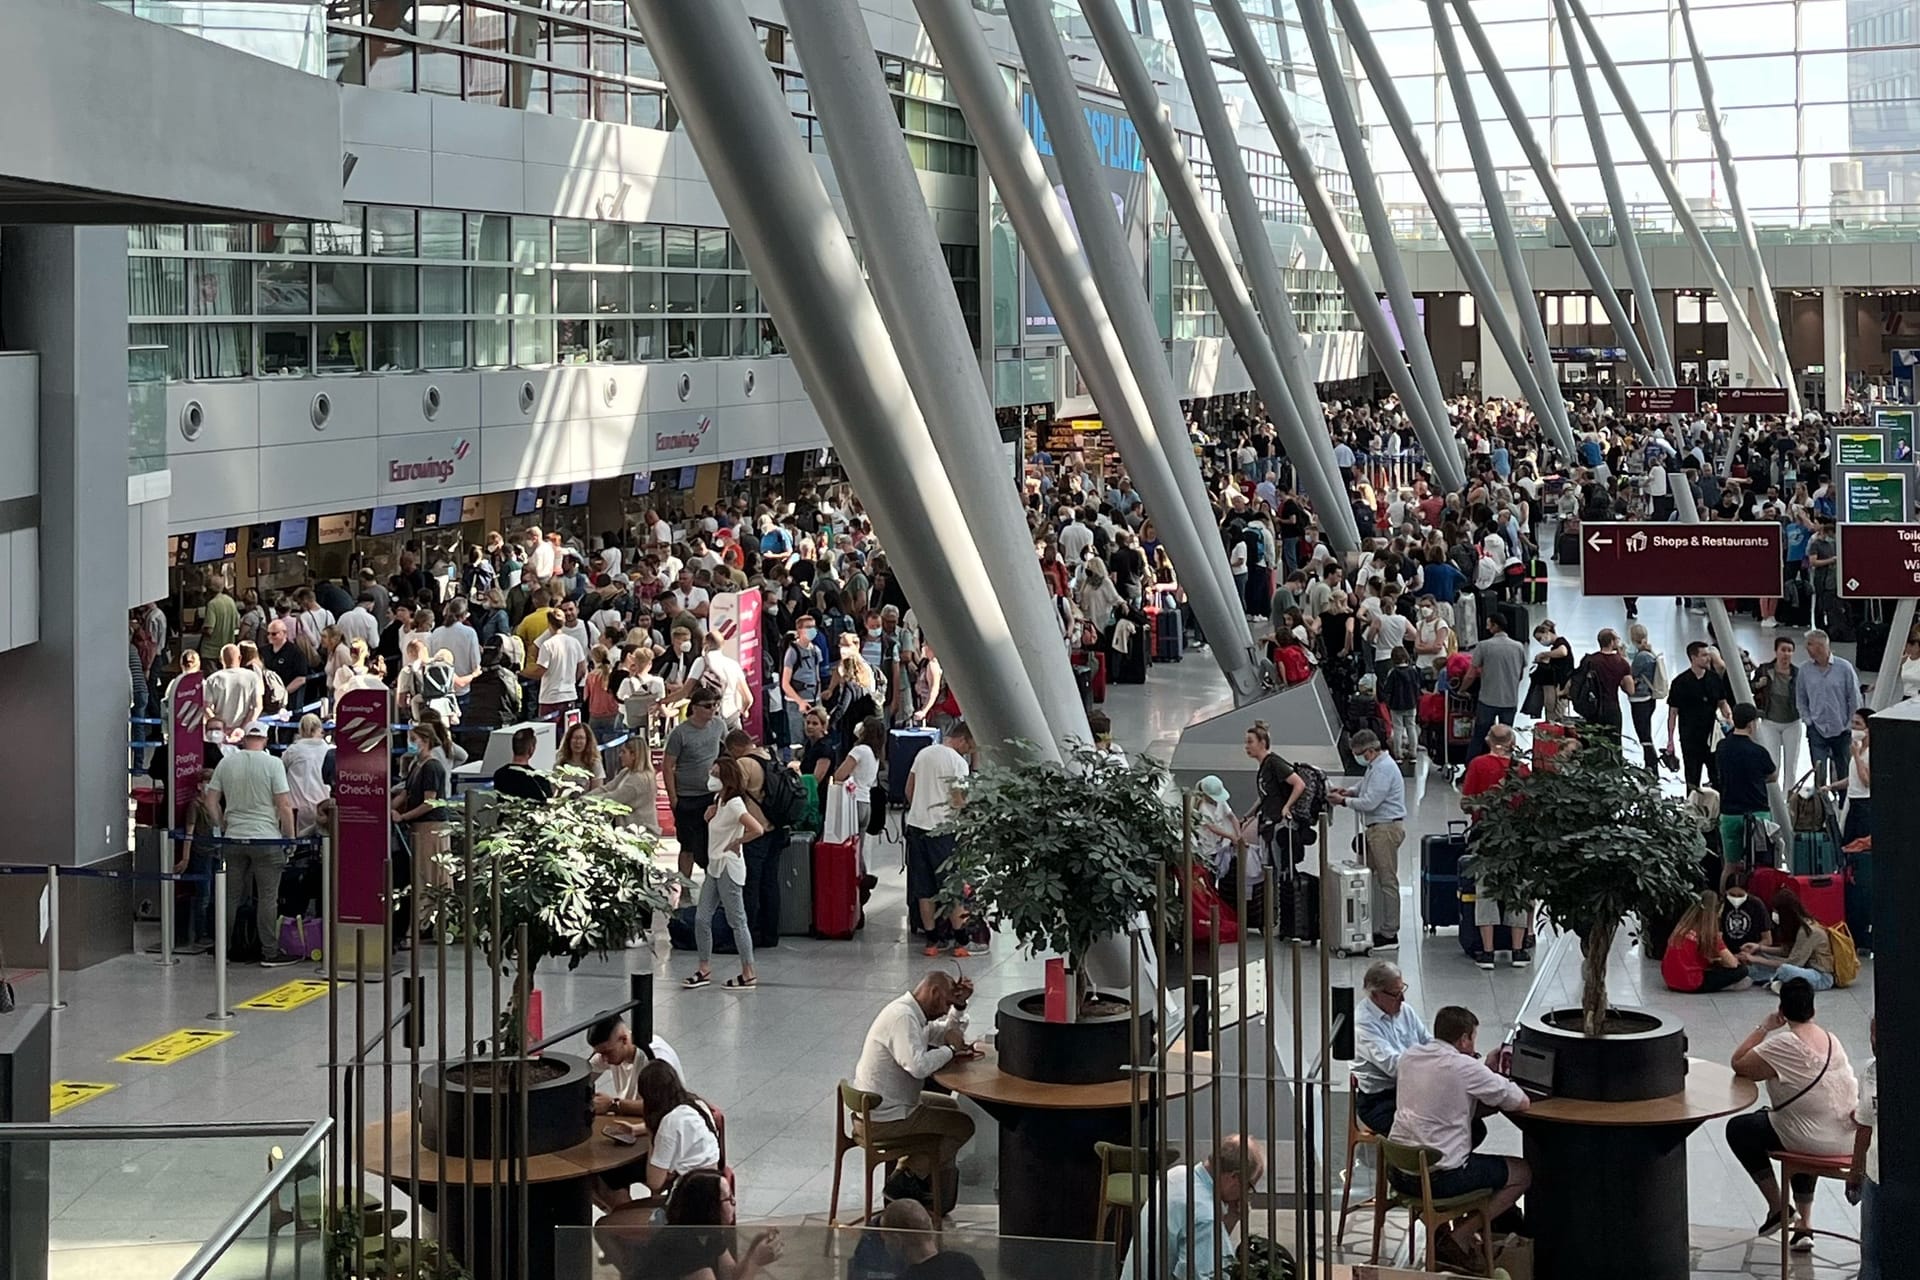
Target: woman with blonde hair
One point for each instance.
(353, 673)
(1648, 669)
(1697, 958)
(635, 785)
(305, 760)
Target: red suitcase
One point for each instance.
(1824, 897)
(1099, 661)
(836, 888)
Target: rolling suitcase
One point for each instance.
(1566, 547)
(1535, 589)
(1349, 910)
(1515, 615)
(836, 888)
(1131, 667)
(1169, 636)
(1440, 856)
(796, 887)
(902, 746)
(1466, 619)
(1098, 661)
(1296, 900)
(1824, 897)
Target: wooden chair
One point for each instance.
(306, 1210)
(1358, 1135)
(1423, 1208)
(1800, 1163)
(850, 1130)
(1125, 1173)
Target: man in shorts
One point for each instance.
(1441, 1085)
(932, 793)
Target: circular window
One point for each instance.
(527, 396)
(686, 385)
(193, 419)
(746, 382)
(612, 390)
(321, 411)
(430, 403)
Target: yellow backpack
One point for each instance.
(1846, 957)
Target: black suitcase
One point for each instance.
(1083, 679)
(1870, 637)
(1515, 615)
(1535, 588)
(1795, 608)
(1505, 937)
(1566, 548)
(1130, 667)
(1440, 856)
(1296, 900)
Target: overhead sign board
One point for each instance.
(1662, 399)
(1858, 448)
(1664, 559)
(1876, 496)
(1898, 421)
(1879, 561)
(1751, 400)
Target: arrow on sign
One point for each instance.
(1595, 541)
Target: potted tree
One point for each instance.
(579, 882)
(1061, 854)
(1590, 838)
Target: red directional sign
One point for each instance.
(1661, 399)
(1718, 559)
(1880, 561)
(1751, 400)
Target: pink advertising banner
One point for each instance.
(363, 771)
(735, 616)
(189, 745)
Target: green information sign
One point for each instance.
(1860, 448)
(1874, 497)
(1900, 424)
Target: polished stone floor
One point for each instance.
(771, 1057)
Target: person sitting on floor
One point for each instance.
(1697, 958)
(913, 1037)
(1799, 947)
(1811, 1093)
(1442, 1085)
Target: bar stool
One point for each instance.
(1800, 1163)
(1358, 1135)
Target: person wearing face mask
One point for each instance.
(1381, 803)
(1743, 918)
(800, 666)
(732, 820)
(1433, 638)
(418, 813)
(673, 665)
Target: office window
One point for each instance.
(680, 247)
(612, 244)
(442, 235)
(395, 291)
(157, 286)
(572, 241)
(395, 347)
(1573, 309)
(340, 289)
(572, 292)
(1686, 308)
(283, 289)
(285, 348)
(390, 233)
(340, 349)
(443, 344)
(443, 291)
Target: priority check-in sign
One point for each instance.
(1665, 559)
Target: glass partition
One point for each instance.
(639, 1250)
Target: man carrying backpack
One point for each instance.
(776, 790)
(1600, 679)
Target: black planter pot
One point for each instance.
(1645, 1057)
(559, 1109)
(1095, 1050)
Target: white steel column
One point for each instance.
(1656, 161)
(1583, 249)
(1131, 395)
(1209, 250)
(1750, 247)
(778, 208)
(1542, 393)
(1435, 431)
(1833, 346)
(910, 282)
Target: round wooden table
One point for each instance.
(559, 1192)
(1609, 1194)
(1049, 1174)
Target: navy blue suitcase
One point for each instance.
(902, 746)
(1440, 856)
(1169, 635)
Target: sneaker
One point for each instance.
(937, 946)
(960, 952)
(1386, 942)
(278, 962)
(1769, 623)
(1771, 1224)
(1483, 960)
(1774, 986)
(1802, 1242)
(1523, 959)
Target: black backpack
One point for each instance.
(781, 798)
(1587, 700)
(436, 680)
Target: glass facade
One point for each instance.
(1808, 89)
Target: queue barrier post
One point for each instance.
(166, 905)
(53, 938)
(220, 1011)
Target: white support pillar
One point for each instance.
(1498, 378)
(1833, 345)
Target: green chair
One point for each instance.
(1434, 1214)
(1124, 1182)
(852, 1120)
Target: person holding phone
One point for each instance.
(913, 1037)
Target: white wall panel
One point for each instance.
(23, 571)
(475, 182)
(472, 129)
(147, 551)
(503, 452)
(391, 175)
(500, 396)
(287, 410)
(329, 475)
(378, 118)
(229, 416)
(19, 424)
(403, 402)
(750, 430)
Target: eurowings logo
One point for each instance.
(363, 732)
(439, 470)
(683, 441)
(193, 716)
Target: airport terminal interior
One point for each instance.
(957, 639)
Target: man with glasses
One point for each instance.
(1385, 1025)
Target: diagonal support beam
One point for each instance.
(1209, 250)
(1543, 170)
(1436, 434)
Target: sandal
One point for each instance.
(697, 980)
(1801, 1241)
(740, 983)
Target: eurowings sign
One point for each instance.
(427, 463)
(679, 436)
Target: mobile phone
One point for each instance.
(625, 1137)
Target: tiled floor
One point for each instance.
(771, 1057)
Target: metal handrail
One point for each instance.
(221, 1240)
(49, 1131)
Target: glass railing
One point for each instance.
(288, 32)
(814, 1251)
(155, 1202)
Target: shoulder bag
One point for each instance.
(1816, 1080)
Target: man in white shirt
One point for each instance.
(619, 1059)
(1441, 1083)
(248, 799)
(542, 556)
(932, 793)
(458, 638)
(232, 696)
(560, 665)
(1386, 1025)
(360, 621)
(658, 529)
(1074, 540)
(692, 598)
(313, 618)
(584, 633)
(715, 670)
(913, 1037)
